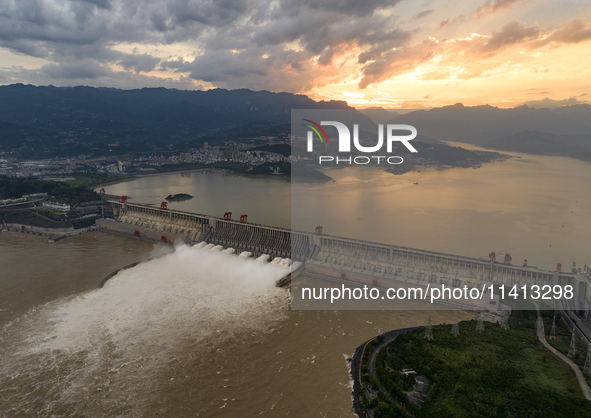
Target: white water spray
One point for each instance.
(124, 336)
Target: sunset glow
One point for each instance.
(399, 54)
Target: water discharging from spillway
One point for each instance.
(107, 351)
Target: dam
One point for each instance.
(346, 260)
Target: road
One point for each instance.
(542, 336)
(371, 367)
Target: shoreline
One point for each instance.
(53, 234)
(192, 170)
(356, 366)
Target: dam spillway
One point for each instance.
(193, 228)
(336, 258)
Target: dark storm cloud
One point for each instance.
(103, 4)
(139, 63)
(87, 69)
(247, 54)
(210, 13)
(235, 38)
(353, 8)
(225, 66)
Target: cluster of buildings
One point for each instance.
(54, 167)
(231, 151)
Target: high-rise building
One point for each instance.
(231, 152)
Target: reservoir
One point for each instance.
(533, 207)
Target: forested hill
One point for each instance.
(48, 121)
(60, 109)
(14, 188)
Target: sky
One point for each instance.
(388, 53)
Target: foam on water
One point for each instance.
(126, 334)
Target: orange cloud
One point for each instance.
(492, 7)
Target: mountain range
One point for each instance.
(562, 131)
(48, 121)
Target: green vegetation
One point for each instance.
(230, 166)
(12, 215)
(304, 172)
(179, 197)
(499, 373)
(276, 168)
(563, 338)
(283, 149)
(281, 168)
(60, 191)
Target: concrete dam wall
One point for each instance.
(192, 228)
(383, 265)
(336, 258)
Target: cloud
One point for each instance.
(493, 7)
(139, 63)
(510, 34)
(278, 45)
(423, 14)
(353, 8)
(536, 92)
(86, 69)
(90, 74)
(103, 4)
(551, 104)
(573, 32)
(398, 61)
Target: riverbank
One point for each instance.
(356, 364)
(54, 234)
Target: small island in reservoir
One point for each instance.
(179, 197)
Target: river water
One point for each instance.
(171, 337)
(533, 207)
